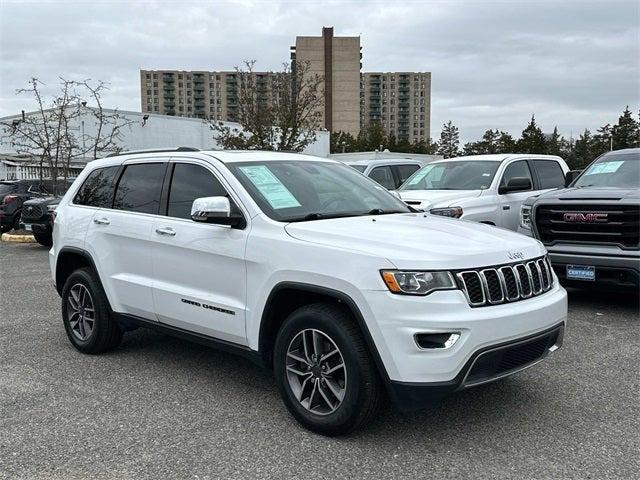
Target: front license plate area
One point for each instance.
(585, 273)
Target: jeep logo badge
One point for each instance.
(585, 217)
(515, 255)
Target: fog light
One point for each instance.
(432, 341)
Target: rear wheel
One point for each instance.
(86, 315)
(44, 238)
(324, 371)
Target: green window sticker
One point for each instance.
(420, 175)
(604, 167)
(270, 187)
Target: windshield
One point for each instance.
(457, 175)
(618, 170)
(290, 191)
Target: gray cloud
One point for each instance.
(574, 64)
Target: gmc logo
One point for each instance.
(586, 217)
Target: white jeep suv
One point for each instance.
(484, 188)
(307, 267)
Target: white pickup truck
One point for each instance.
(483, 188)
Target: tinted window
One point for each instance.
(188, 183)
(360, 168)
(140, 187)
(549, 173)
(519, 169)
(405, 171)
(383, 176)
(6, 188)
(97, 189)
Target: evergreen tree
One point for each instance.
(449, 143)
(554, 143)
(373, 137)
(581, 154)
(532, 140)
(626, 134)
(505, 143)
(601, 142)
(343, 142)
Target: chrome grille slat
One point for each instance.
(506, 283)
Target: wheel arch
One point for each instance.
(285, 297)
(70, 259)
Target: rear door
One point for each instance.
(511, 202)
(119, 237)
(199, 268)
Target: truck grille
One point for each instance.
(32, 212)
(506, 283)
(594, 224)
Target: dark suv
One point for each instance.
(13, 193)
(592, 228)
(37, 213)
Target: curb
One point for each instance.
(11, 238)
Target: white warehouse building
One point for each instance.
(143, 131)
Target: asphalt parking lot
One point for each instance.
(158, 407)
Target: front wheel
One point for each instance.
(44, 238)
(324, 371)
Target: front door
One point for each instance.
(510, 202)
(199, 268)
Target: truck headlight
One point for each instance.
(525, 216)
(417, 283)
(453, 212)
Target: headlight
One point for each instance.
(453, 212)
(417, 283)
(525, 216)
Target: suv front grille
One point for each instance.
(32, 212)
(506, 283)
(594, 224)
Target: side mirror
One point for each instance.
(516, 184)
(570, 176)
(216, 210)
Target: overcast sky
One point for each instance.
(575, 64)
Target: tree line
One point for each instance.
(578, 152)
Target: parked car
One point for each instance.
(483, 188)
(307, 267)
(37, 213)
(388, 172)
(12, 195)
(592, 227)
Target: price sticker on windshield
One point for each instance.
(270, 187)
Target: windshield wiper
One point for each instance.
(379, 211)
(322, 216)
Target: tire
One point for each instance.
(333, 326)
(92, 336)
(44, 238)
(16, 223)
(5, 228)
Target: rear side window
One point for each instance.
(140, 187)
(189, 182)
(97, 189)
(405, 171)
(549, 173)
(383, 176)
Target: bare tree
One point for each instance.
(276, 111)
(51, 133)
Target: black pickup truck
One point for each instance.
(37, 213)
(591, 228)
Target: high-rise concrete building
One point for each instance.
(338, 61)
(211, 95)
(401, 101)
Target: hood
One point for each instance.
(444, 198)
(43, 201)
(420, 241)
(592, 193)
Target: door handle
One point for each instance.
(101, 221)
(506, 207)
(166, 231)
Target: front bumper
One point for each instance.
(399, 318)
(618, 272)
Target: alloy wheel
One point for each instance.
(80, 312)
(316, 372)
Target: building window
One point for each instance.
(148, 76)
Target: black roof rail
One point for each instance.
(157, 150)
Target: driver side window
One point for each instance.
(519, 169)
(188, 182)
